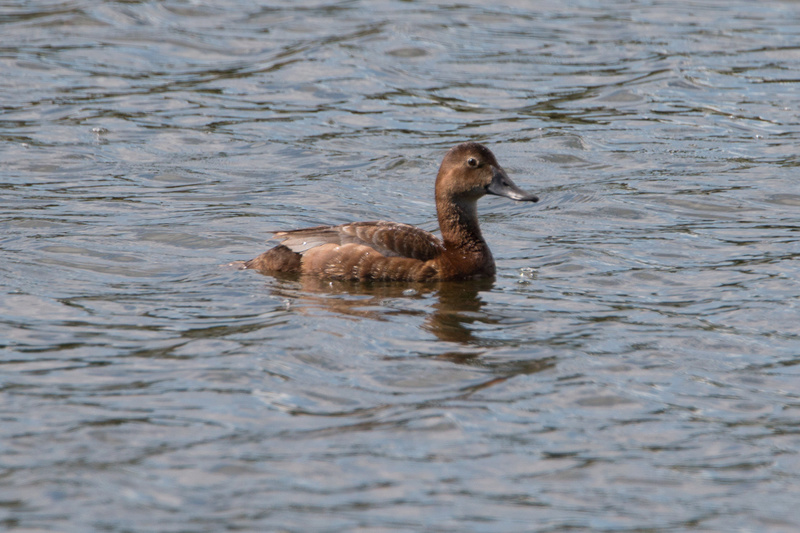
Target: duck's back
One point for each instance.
(390, 239)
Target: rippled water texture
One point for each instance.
(633, 367)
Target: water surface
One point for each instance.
(633, 366)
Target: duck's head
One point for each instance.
(470, 171)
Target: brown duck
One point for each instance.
(391, 251)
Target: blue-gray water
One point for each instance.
(633, 367)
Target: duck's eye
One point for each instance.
(472, 162)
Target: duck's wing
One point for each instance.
(391, 239)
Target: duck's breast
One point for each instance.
(458, 263)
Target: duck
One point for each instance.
(392, 251)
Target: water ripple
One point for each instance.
(632, 366)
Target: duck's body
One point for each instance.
(390, 251)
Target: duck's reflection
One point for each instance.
(451, 309)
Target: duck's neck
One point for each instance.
(458, 221)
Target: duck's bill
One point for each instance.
(502, 185)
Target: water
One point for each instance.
(633, 367)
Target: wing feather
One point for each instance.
(391, 239)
